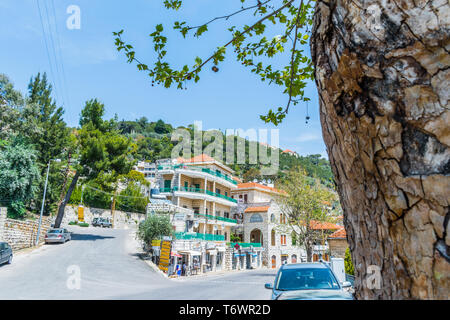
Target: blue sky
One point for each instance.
(232, 98)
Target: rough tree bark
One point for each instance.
(382, 72)
(62, 206)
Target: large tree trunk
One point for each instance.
(382, 72)
(62, 206)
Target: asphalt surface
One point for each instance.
(103, 264)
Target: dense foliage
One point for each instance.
(304, 203)
(99, 154)
(154, 228)
(19, 176)
(349, 268)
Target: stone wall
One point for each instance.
(337, 247)
(21, 234)
(122, 220)
(228, 259)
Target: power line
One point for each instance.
(60, 54)
(46, 48)
(52, 45)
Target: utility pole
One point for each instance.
(82, 190)
(113, 208)
(43, 200)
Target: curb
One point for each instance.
(143, 257)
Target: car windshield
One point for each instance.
(55, 231)
(306, 279)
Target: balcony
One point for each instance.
(199, 236)
(210, 217)
(197, 190)
(198, 169)
(245, 244)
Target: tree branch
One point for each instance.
(293, 56)
(240, 34)
(226, 17)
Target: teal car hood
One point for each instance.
(315, 295)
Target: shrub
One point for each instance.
(349, 268)
(83, 224)
(154, 228)
(73, 223)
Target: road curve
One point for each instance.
(109, 268)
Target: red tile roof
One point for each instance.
(317, 225)
(288, 151)
(340, 234)
(200, 158)
(257, 209)
(252, 185)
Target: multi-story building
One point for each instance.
(148, 170)
(263, 222)
(203, 185)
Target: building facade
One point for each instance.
(203, 185)
(338, 243)
(263, 222)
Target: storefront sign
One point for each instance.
(179, 216)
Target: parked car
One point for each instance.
(308, 281)
(58, 236)
(101, 222)
(6, 254)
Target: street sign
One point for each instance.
(164, 258)
(81, 214)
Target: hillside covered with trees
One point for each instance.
(95, 159)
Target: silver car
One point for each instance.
(57, 236)
(6, 253)
(308, 281)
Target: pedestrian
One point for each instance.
(184, 268)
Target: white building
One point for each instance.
(264, 223)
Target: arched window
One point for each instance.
(274, 262)
(272, 238)
(256, 217)
(272, 218)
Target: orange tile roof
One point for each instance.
(199, 158)
(257, 209)
(340, 234)
(251, 185)
(317, 225)
(288, 151)
(237, 179)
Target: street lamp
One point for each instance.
(43, 199)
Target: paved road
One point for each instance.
(110, 269)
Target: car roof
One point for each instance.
(309, 265)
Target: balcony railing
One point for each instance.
(245, 244)
(210, 217)
(199, 169)
(197, 190)
(199, 236)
